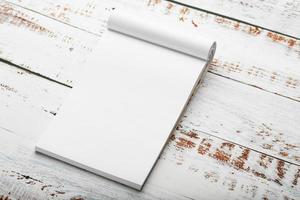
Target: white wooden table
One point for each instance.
(239, 137)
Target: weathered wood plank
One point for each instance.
(281, 75)
(247, 116)
(88, 15)
(193, 165)
(258, 114)
(41, 45)
(269, 61)
(284, 123)
(26, 175)
(245, 53)
(23, 95)
(281, 16)
(190, 165)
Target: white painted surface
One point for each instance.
(191, 162)
(282, 16)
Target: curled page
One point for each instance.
(129, 98)
(155, 30)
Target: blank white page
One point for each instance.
(120, 114)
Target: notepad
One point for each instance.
(129, 97)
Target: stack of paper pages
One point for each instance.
(129, 97)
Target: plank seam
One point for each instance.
(33, 73)
(252, 149)
(98, 35)
(252, 85)
(232, 18)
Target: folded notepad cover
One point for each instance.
(128, 99)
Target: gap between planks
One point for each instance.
(33, 73)
(204, 132)
(232, 18)
(212, 72)
(251, 85)
(160, 176)
(252, 149)
(176, 2)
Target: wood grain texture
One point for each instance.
(48, 41)
(181, 173)
(245, 53)
(263, 70)
(282, 16)
(247, 116)
(30, 176)
(250, 98)
(193, 165)
(274, 69)
(23, 95)
(269, 61)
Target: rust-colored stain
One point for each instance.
(296, 177)
(184, 11)
(224, 68)
(267, 146)
(227, 144)
(227, 23)
(221, 155)
(153, 2)
(191, 134)
(170, 6)
(61, 11)
(240, 162)
(204, 146)
(253, 30)
(284, 154)
(259, 174)
(185, 143)
(222, 20)
(280, 169)
(264, 161)
(236, 25)
(9, 15)
(290, 42)
(291, 82)
(228, 67)
(225, 154)
(274, 75)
